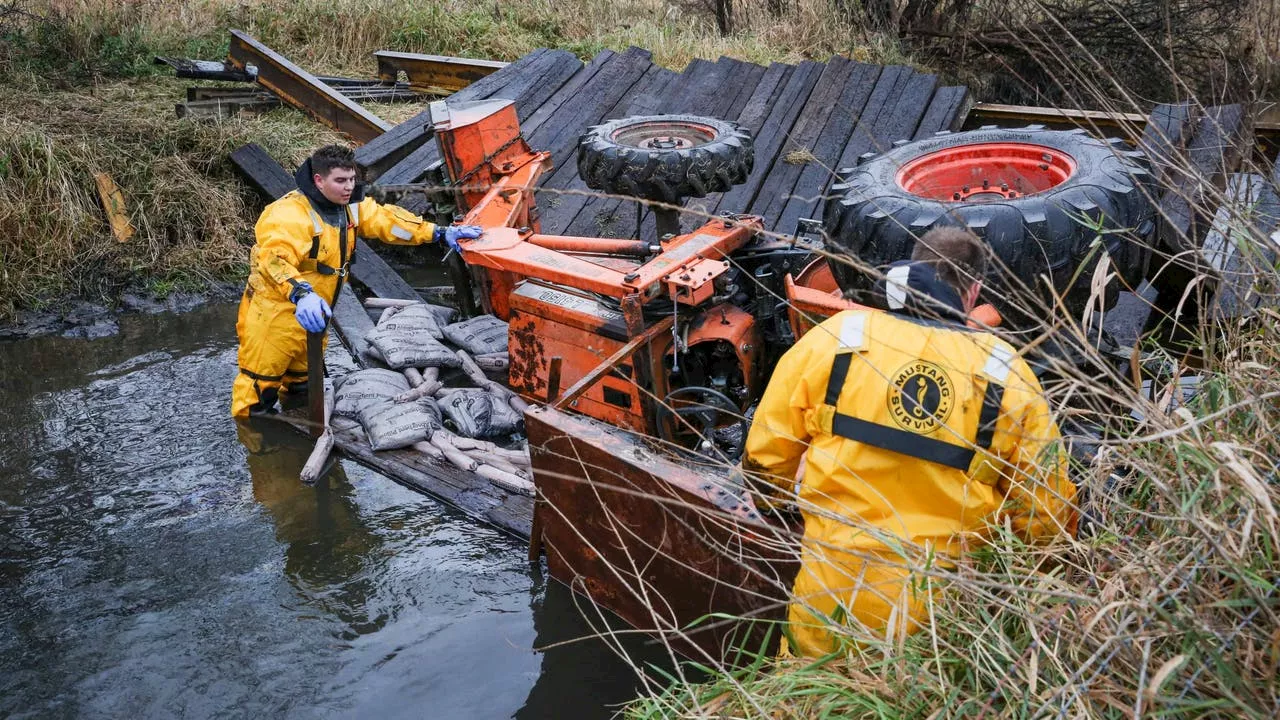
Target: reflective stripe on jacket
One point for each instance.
(294, 244)
(910, 430)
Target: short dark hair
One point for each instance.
(332, 157)
(957, 255)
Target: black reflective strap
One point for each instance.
(991, 402)
(342, 256)
(901, 441)
(315, 247)
(839, 371)
(291, 374)
(264, 378)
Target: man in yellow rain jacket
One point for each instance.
(305, 242)
(917, 435)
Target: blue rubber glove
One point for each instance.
(449, 235)
(312, 312)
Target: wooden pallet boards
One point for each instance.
(751, 75)
(384, 151)
(755, 109)
(773, 133)
(776, 191)
(816, 175)
(946, 111)
(601, 216)
(594, 100)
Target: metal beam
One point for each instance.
(434, 72)
(1130, 124)
(305, 91)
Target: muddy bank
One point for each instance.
(91, 320)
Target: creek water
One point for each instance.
(157, 560)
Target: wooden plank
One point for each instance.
(392, 146)
(1214, 151)
(374, 273)
(785, 107)
(113, 206)
(752, 115)
(548, 68)
(352, 323)
(465, 491)
(751, 75)
(1245, 258)
(262, 171)
(875, 129)
(817, 174)
(1166, 134)
(776, 191)
(946, 111)
(595, 100)
(304, 90)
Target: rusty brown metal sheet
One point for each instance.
(305, 91)
(658, 540)
(434, 72)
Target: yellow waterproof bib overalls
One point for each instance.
(295, 245)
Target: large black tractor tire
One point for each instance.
(1050, 195)
(665, 157)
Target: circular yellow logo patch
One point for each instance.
(921, 397)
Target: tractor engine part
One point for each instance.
(1040, 199)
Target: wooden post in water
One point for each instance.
(315, 382)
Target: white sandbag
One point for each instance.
(392, 425)
(354, 391)
(479, 414)
(481, 335)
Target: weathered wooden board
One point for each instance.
(776, 191)
(773, 133)
(946, 111)
(817, 174)
(466, 491)
(262, 171)
(543, 80)
(374, 273)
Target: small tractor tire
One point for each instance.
(665, 157)
(1040, 198)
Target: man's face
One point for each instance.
(338, 185)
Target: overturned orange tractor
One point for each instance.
(647, 358)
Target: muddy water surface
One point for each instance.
(158, 561)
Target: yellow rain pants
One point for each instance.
(916, 437)
(295, 245)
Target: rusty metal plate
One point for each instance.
(655, 539)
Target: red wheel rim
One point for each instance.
(986, 172)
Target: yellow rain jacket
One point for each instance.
(915, 436)
(295, 244)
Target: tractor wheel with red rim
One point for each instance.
(665, 157)
(1046, 201)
